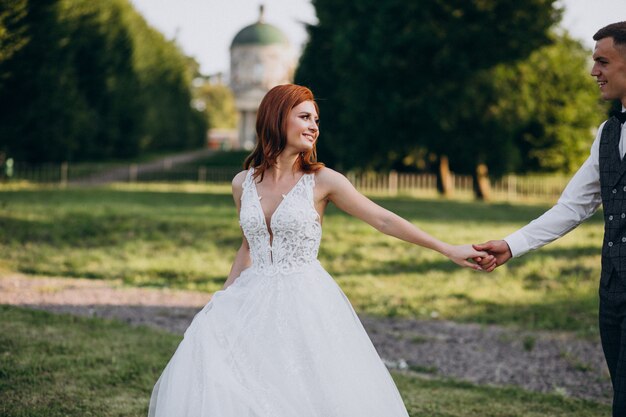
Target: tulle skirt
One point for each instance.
(280, 346)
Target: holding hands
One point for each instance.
(498, 254)
(471, 257)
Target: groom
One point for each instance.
(601, 179)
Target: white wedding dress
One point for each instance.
(283, 339)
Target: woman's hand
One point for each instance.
(466, 255)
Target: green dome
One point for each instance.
(260, 34)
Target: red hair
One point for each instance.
(271, 130)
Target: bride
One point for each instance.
(281, 339)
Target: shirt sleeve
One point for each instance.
(580, 199)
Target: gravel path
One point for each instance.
(538, 361)
(124, 173)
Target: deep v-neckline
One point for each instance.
(268, 226)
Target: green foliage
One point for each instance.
(165, 76)
(12, 34)
(91, 80)
(559, 107)
(228, 159)
(481, 82)
(533, 115)
(114, 233)
(64, 366)
(219, 103)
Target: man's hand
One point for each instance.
(498, 249)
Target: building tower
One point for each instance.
(260, 58)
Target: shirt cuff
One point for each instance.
(517, 243)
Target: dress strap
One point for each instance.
(309, 181)
(249, 178)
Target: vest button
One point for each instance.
(624, 239)
(624, 188)
(611, 217)
(610, 243)
(614, 191)
(623, 215)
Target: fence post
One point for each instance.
(132, 173)
(202, 174)
(393, 182)
(512, 186)
(64, 174)
(350, 177)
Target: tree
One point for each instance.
(90, 80)
(535, 115)
(391, 74)
(218, 104)
(12, 32)
(560, 108)
(165, 76)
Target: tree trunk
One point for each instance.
(444, 177)
(482, 186)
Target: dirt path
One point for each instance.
(538, 361)
(133, 171)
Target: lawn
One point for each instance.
(186, 235)
(65, 366)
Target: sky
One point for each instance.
(205, 28)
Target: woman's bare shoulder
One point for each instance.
(239, 179)
(327, 176)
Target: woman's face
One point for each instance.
(302, 127)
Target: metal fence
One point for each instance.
(390, 183)
(93, 174)
(546, 187)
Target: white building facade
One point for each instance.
(261, 57)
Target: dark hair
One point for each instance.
(617, 31)
(271, 130)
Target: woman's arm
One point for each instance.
(242, 259)
(343, 194)
(241, 262)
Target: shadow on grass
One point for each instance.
(462, 211)
(408, 266)
(83, 229)
(415, 209)
(557, 253)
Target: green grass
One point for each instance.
(445, 398)
(60, 365)
(186, 236)
(65, 366)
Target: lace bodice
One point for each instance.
(295, 226)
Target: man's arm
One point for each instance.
(580, 199)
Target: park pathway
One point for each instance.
(554, 362)
(131, 172)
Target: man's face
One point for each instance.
(609, 68)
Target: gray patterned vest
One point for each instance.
(613, 192)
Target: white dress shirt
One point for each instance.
(580, 199)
